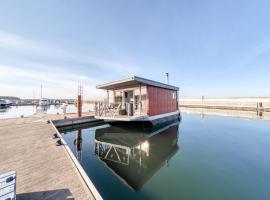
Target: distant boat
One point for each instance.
(44, 102)
(4, 103)
(57, 102)
(64, 105)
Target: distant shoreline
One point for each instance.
(232, 103)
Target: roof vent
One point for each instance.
(167, 78)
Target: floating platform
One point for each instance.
(44, 169)
(149, 121)
(90, 120)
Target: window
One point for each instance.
(173, 95)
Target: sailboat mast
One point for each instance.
(41, 91)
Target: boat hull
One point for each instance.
(154, 121)
(6, 105)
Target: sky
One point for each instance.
(211, 47)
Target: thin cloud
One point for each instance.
(24, 45)
(19, 43)
(58, 85)
(252, 54)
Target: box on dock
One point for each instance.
(8, 186)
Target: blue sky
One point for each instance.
(211, 48)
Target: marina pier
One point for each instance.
(134, 100)
(228, 103)
(44, 169)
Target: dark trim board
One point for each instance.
(68, 128)
(134, 80)
(156, 123)
(77, 121)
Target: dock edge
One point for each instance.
(83, 174)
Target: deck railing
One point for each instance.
(113, 110)
(107, 109)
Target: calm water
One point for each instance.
(17, 111)
(211, 158)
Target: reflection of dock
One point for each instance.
(228, 113)
(134, 157)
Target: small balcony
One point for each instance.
(117, 111)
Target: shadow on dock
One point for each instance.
(61, 194)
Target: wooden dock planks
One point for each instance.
(44, 170)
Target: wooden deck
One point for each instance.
(121, 117)
(44, 170)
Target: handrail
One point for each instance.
(103, 109)
(113, 110)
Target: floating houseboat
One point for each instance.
(138, 101)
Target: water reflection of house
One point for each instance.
(135, 156)
(137, 100)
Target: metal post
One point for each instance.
(123, 100)
(79, 105)
(128, 109)
(108, 96)
(177, 100)
(79, 100)
(41, 91)
(140, 100)
(202, 99)
(167, 78)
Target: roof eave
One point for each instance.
(155, 83)
(103, 86)
(106, 86)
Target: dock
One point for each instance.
(44, 169)
(251, 115)
(260, 104)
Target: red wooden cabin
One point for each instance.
(137, 100)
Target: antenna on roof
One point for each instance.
(167, 78)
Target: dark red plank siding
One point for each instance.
(160, 101)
